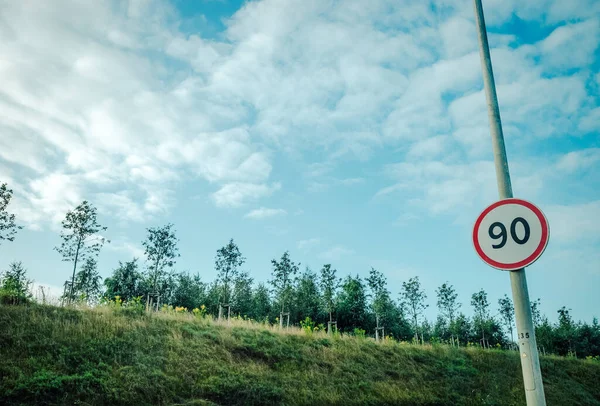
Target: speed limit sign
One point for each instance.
(511, 234)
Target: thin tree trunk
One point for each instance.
(74, 269)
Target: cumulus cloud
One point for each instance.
(101, 118)
(131, 106)
(264, 212)
(336, 253)
(308, 243)
(238, 194)
(576, 160)
(573, 223)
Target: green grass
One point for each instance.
(56, 356)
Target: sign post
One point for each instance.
(530, 363)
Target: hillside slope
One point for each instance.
(56, 356)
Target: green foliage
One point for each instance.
(80, 239)
(227, 261)
(62, 356)
(125, 281)
(307, 298)
(507, 313)
(8, 227)
(413, 299)
(448, 305)
(261, 303)
(187, 291)
(329, 284)
(283, 273)
(242, 295)
(352, 311)
(379, 294)
(160, 248)
(87, 284)
(14, 285)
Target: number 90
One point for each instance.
(513, 232)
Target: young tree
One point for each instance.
(352, 309)
(447, 303)
(161, 252)
(507, 313)
(307, 297)
(227, 262)
(188, 291)
(14, 285)
(283, 273)
(480, 305)
(329, 285)
(80, 237)
(413, 298)
(380, 296)
(125, 282)
(565, 332)
(242, 294)
(88, 282)
(261, 303)
(536, 313)
(8, 228)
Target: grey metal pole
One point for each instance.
(530, 361)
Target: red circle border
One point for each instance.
(530, 259)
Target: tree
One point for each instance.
(88, 282)
(413, 298)
(353, 304)
(125, 282)
(188, 291)
(536, 314)
(329, 284)
(161, 252)
(507, 313)
(307, 297)
(379, 294)
(8, 228)
(261, 303)
(227, 261)
(283, 273)
(80, 237)
(14, 285)
(448, 305)
(242, 294)
(480, 305)
(565, 332)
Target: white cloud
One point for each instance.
(430, 148)
(121, 244)
(263, 213)
(308, 244)
(351, 181)
(592, 121)
(131, 106)
(573, 223)
(405, 218)
(576, 160)
(336, 253)
(441, 187)
(238, 194)
(571, 45)
(84, 117)
(459, 36)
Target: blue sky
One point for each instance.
(346, 132)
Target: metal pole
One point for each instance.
(530, 362)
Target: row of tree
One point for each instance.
(352, 304)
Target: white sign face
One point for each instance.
(511, 234)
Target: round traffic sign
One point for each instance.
(511, 234)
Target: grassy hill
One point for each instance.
(57, 356)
